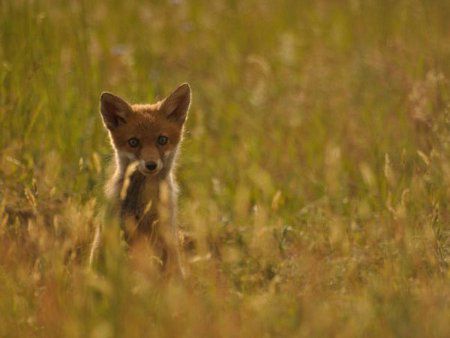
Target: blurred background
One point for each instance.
(314, 173)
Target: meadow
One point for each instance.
(314, 172)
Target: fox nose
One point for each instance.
(151, 165)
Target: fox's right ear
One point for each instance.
(114, 110)
(176, 105)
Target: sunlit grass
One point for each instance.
(314, 174)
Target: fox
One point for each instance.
(145, 139)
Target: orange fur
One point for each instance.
(147, 198)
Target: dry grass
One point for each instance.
(315, 174)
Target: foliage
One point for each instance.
(315, 173)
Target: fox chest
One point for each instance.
(139, 204)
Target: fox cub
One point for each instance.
(145, 139)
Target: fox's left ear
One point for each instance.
(176, 105)
(114, 110)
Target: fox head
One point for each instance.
(147, 133)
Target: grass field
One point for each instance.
(315, 171)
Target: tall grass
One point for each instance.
(315, 172)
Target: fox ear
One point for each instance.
(176, 105)
(114, 110)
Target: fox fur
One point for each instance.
(145, 139)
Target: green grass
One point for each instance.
(315, 172)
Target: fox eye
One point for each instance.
(133, 142)
(162, 140)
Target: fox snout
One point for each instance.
(150, 167)
(150, 161)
